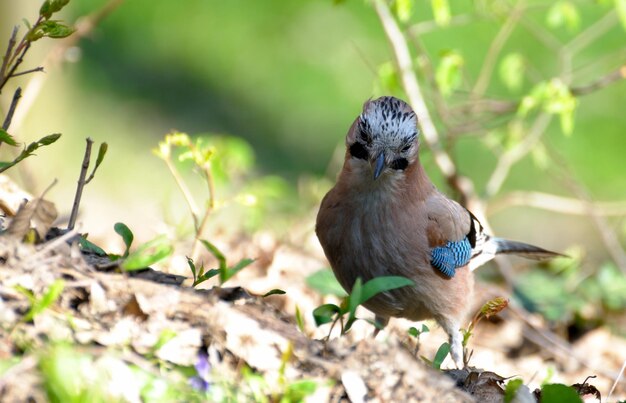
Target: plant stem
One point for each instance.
(81, 184)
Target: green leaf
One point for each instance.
(49, 139)
(511, 389)
(324, 313)
(215, 252)
(50, 296)
(448, 73)
(86, 245)
(620, 8)
(192, 267)
(275, 291)
(441, 354)
(49, 28)
(50, 7)
(403, 9)
(441, 11)
(512, 71)
(354, 300)
(127, 235)
(149, 253)
(7, 138)
(298, 390)
(101, 153)
(563, 13)
(300, 319)
(228, 273)
(325, 282)
(382, 284)
(559, 393)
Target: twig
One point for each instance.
(195, 211)
(558, 204)
(619, 376)
(16, 97)
(84, 26)
(21, 73)
(7, 54)
(509, 158)
(608, 236)
(414, 94)
(592, 33)
(601, 82)
(195, 250)
(495, 48)
(556, 346)
(81, 184)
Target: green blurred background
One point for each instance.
(289, 78)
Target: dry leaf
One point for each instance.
(38, 212)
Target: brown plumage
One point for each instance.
(385, 217)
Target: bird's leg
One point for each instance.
(381, 322)
(452, 327)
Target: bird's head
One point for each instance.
(384, 138)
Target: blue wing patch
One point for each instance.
(451, 256)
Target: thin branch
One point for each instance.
(558, 204)
(495, 48)
(7, 54)
(16, 98)
(509, 158)
(617, 379)
(193, 208)
(81, 184)
(412, 88)
(601, 82)
(608, 236)
(21, 73)
(592, 33)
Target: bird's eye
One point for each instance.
(400, 163)
(357, 150)
(406, 148)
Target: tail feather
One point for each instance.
(505, 246)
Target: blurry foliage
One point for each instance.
(40, 304)
(566, 290)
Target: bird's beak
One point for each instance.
(379, 165)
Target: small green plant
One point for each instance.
(489, 309)
(16, 50)
(145, 255)
(224, 271)
(360, 294)
(38, 305)
(416, 333)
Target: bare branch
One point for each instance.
(558, 204)
(495, 48)
(81, 184)
(7, 54)
(21, 73)
(412, 88)
(509, 158)
(16, 98)
(607, 234)
(600, 83)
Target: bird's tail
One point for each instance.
(505, 246)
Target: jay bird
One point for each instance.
(384, 217)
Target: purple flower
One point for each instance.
(202, 381)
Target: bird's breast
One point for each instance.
(373, 235)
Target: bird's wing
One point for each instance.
(451, 232)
